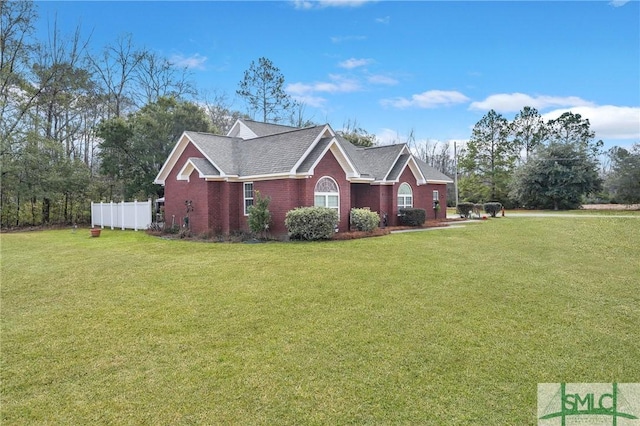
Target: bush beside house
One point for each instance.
(364, 220)
(413, 217)
(311, 223)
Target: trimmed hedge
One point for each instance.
(465, 209)
(364, 220)
(412, 217)
(492, 208)
(311, 223)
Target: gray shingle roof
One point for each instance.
(220, 149)
(262, 155)
(275, 153)
(379, 160)
(398, 167)
(313, 155)
(280, 148)
(431, 174)
(266, 129)
(204, 166)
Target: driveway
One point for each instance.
(568, 215)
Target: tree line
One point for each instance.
(556, 164)
(79, 124)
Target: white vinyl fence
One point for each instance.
(125, 215)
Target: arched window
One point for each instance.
(326, 194)
(405, 196)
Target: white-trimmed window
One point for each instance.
(248, 196)
(436, 196)
(326, 194)
(405, 196)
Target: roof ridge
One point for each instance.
(293, 129)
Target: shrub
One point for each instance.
(464, 209)
(311, 223)
(413, 217)
(259, 215)
(492, 208)
(364, 220)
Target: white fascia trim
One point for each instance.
(188, 168)
(442, 182)
(233, 127)
(171, 160)
(413, 165)
(272, 176)
(175, 154)
(363, 180)
(213, 163)
(393, 163)
(326, 129)
(185, 171)
(344, 161)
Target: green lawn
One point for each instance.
(450, 326)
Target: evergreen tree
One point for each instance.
(489, 160)
(263, 89)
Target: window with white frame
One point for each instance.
(405, 196)
(436, 196)
(326, 194)
(248, 197)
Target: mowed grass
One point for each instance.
(450, 326)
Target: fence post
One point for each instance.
(101, 216)
(111, 213)
(92, 221)
(121, 203)
(135, 215)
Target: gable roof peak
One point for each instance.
(250, 129)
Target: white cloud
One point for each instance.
(513, 102)
(382, 79)
(320, 4)
(384, 20)
(355, 63)
(608, 121)
(341, 39)
(388, 137)
(308, 100)
(428, 99)
(195, 61)
(339, 84)
(618, 3)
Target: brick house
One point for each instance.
(295, 168)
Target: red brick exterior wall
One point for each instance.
(442, 197)
(218, 207)
(422, 196)
(178, 191)
(330, 167)
(284, 194)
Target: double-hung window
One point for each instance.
(248, 196)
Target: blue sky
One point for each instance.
(431, 67)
